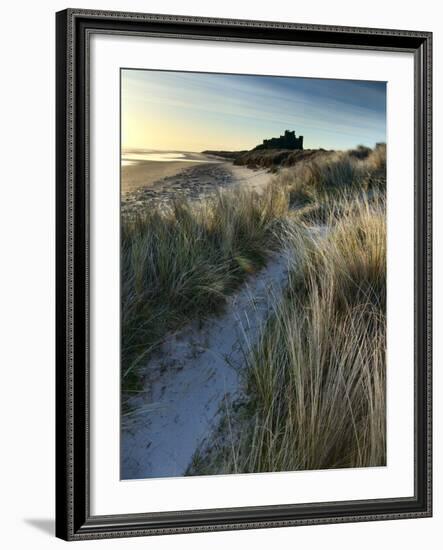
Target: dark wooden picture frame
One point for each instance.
(74, 29)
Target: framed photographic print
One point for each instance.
(243, 274)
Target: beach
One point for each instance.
(155, 182)
(143, 169)
(146, 173)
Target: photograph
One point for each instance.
(252, 273)
(243, 328)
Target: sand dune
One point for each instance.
(196, 371)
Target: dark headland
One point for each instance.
(274, 152)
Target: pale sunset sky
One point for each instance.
(180, 111)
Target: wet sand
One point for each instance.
(145, 173)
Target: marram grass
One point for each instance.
(182, 262)
(315, 381)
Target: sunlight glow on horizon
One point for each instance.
(180, 111)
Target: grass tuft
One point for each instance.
(330, 177)
(317, 376)
(315, 380)
(182, 262)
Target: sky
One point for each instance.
(184, 111)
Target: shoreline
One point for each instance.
(146, 173)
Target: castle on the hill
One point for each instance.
(287, 141)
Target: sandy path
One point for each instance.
(256, 179)
(196, 371)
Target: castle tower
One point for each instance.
(286, 141)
